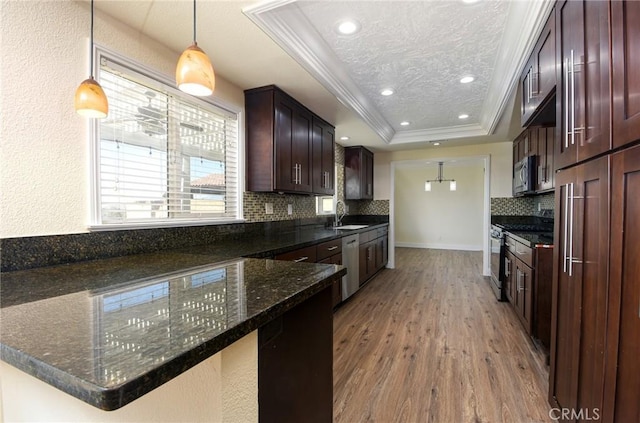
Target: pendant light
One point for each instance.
(90, 100)
(452, 182)
(194, 73)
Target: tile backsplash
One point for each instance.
(524, 206)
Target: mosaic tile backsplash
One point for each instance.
(524, 206)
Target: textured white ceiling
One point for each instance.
(419, 48)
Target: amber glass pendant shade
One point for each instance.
(90, 100)
(194, 73)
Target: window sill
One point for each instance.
(153, 225)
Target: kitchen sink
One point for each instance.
(350, 227)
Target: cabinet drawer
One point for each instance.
(382, 232)
(511, 244)
(524, 253)
(307, 255)
(328, 248)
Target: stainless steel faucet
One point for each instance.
(338, 219)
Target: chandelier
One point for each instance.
(440, 179)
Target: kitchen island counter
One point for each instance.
(109, 331)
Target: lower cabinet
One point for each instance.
(295, 364)
(373, 253)
(580, 279)
(528, 287)
(329, 252)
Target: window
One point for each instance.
(327, 204)
(162, 157)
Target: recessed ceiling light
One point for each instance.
(405, 123)
(344, 138)
(470, 1)
(386, 92)
(348, 27)
(467, 79)
(463, 116)
(436, 143)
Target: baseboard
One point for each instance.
(439, 246)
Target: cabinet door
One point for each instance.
(509, 270)
(381, 252)
(323, 144)
(545, 59)
(580, 277)
(286, 175)
(523, 298)
(541, 159)
(548, 181)
(302, 148)
(623, 339)
(367, 168)
(582, 108)
(528, 105)
(625, 36)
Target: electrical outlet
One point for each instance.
(289, 209)
(539, 206)
(268, 208)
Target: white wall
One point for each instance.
(44, 144)
(213, 391)
(501, 164)
(439, 218)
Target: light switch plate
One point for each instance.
(289, 209)
(268, 208)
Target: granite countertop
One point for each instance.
(108, 331)
(534, 239)
(538, 232)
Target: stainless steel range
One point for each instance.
(498, 255)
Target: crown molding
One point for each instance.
(438, 134)
(518, 41)
(285, 23)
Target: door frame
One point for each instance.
(486, 216)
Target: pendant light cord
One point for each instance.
(194, 22)
(91, 43)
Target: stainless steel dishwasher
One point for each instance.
(350, 283)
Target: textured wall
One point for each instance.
(44, 144)
(501, 164)
(204, 393)
(439, 218)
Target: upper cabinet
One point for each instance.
(583, 95)
(538, 80)
(358, 173)
(280, 142)
(323, 157)
(625, 39)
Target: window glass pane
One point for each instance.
(162, 154)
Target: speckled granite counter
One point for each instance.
(109, 331)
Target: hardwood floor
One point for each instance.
(428, 342)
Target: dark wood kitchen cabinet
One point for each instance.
(625, 40)
(330, 252)
(295, 364)
(622, 383)
(509, 261)
(279, 141)
(580, 276)
(520, 286)
(582, 94)
(373, 253)
(358, 173)
(323, 157)
(538, 80)
(544, 148)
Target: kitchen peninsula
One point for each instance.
(109, 331)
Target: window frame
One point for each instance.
(93, 135)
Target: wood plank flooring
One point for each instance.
(428, 342)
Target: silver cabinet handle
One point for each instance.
(295, 175)
(571, 200)
(566, 227)
(573, 100)
(507, 271)
(566, 103)
(335, 247)
(301, 259)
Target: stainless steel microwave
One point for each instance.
(524, 176)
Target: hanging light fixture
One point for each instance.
(194, 73)
(90, 100)
(440, 179)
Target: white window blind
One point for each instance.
(163, 156)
